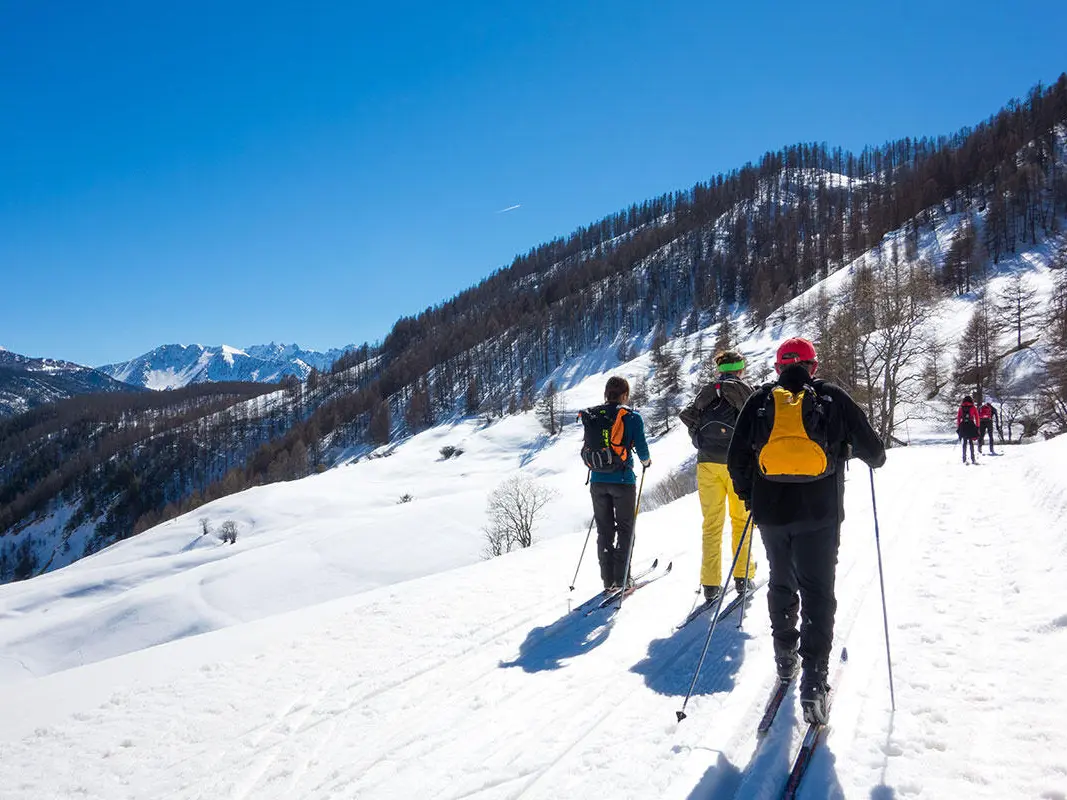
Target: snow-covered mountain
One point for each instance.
(26, 382)
(174, 365)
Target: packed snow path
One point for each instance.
(475, 683)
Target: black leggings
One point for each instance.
(967, 441)
(613, 510)
(987, 427)
(803, 563)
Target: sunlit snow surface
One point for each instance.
(351, 645)
(473, 682)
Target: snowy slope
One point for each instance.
(353, 646)
(174, 365)
(474, 683)
(316, 539)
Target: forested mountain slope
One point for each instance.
(26, 382)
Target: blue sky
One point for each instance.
(241, 172)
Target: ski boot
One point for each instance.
(815, 696)
(786, 662)
(744, 586)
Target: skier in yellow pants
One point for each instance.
(716, 492)
(710, 419)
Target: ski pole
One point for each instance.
(715, 621)
(633, 535)
(744, 594)
(587, 534)
(881, 583)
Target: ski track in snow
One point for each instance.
(459, 687)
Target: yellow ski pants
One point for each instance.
(716, 490)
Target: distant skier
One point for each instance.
(987, 418)
(710, 419)
(787, 461)
(612, 432)
(967, 426)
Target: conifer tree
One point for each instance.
(549, 409)
(381, 423)
(974, 366)
(1017, 306)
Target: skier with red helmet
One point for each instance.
(987, 418)
(787, 462)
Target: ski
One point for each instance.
(812, 737)
(594, 602)
(640, 580)
(638, 584)
(598, 598)
(703, 609)
(800, 764)
(774, 702)
(727, 609)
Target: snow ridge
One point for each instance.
(172, 366)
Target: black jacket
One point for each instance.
(734, 391)
(819, 502)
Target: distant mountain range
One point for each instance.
(175, 365)
(28, 382)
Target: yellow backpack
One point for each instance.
(797, 449)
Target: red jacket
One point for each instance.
(987, 411)
(971, 412)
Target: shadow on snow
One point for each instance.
(572, 635)
(669, 666)
(766, 774)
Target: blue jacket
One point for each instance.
(634, 435)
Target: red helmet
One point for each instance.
(792, 351)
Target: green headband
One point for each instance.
(731, 366)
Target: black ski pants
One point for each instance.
(967, 441)
(613, 510)
(803, 564)
(986, 427)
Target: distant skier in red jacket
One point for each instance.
(967, 426)
(987, 418)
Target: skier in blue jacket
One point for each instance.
(614, 494)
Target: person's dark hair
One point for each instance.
(728, 357)
(615, 389)
(967, 399)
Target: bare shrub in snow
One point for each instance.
(228, 531)
(513, 509)
(205, 528)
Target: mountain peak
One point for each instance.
(174, 366)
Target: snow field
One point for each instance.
(475, 683)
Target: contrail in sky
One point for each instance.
(509, 208)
